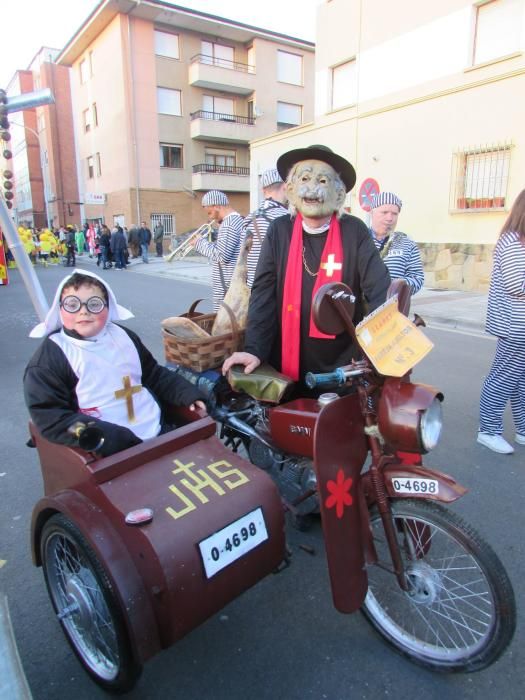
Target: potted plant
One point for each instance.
(499, 202)
(461, 203)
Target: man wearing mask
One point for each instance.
(314, 245)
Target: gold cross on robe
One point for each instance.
(330, 265)
(127, 393)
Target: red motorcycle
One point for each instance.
(141, 547)
(425, 579)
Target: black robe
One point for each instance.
(49, 389)
(363, 271)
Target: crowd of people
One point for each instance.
(110, 248)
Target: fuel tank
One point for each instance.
(292, 426)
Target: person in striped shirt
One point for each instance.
(225, 250)
(399, 252)
(257, 222)
(506, 320)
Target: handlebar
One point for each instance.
(339, 376)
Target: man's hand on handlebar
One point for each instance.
(249, 361)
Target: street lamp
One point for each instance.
(42, 165)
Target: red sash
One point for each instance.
(330, 270)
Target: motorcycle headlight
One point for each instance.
(409, 416)
(430, 425)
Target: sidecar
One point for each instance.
(141, 547)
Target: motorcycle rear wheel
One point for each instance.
(459, 613)
(87, 606)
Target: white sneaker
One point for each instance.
(520, 439)
(496, 443)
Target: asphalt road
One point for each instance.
(283, 638)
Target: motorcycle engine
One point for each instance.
(294, 476)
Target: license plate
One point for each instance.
(232, 542)
(416, 486)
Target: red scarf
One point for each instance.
(330, 270)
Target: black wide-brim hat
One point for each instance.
(317, 152)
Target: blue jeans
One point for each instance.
(144, 249)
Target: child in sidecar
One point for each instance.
(89, 370)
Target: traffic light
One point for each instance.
(5, 136)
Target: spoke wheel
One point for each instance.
(459, 613)
(87, 606)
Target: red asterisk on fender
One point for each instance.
(339, 493)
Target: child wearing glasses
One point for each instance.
(90, 369)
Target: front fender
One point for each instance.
(395, 475)
(116, 560)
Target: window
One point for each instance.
(166, 44)
(219, 107)
(289, 68)
(251, 59)
(90, 168)
(498, 29)
(86, 116)
(167, 220)
(85, 67)
(481, 176)
(217, 55)
(219, 159)
(251, 111)
(288, 115)
(344, 85)
(95, 114)
(169, 101)
(99, 166)
(170, 155)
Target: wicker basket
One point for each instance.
(200, 354)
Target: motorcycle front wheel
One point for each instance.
(87, 606)
(459, 613)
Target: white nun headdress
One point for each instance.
(53, 322)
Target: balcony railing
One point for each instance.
(219, 169)
(222, 63)
(217, 116)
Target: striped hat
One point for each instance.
(386, 198)
(215, 198)
(270, 177)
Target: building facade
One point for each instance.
(166, 101)
(43, 147)
(426, 100)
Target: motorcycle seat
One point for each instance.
(263, 384)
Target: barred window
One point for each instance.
(480, 177)
(167, 220)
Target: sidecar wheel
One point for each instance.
(87, 606)
(459, 613)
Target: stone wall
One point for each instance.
(457, 265)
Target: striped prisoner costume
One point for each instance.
(506, 320)
(224, 253)
(402, 257)
(267, 211)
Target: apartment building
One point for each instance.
(425, 99)
(166, 101)
(43, 147)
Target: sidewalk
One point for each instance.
(439, 308)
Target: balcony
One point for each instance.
(220, 74)
(212, 126)
(206, 176)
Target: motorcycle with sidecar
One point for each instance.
(141, 547)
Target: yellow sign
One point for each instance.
(194, 481)
(391, 341)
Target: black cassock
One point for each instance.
(363, 271)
